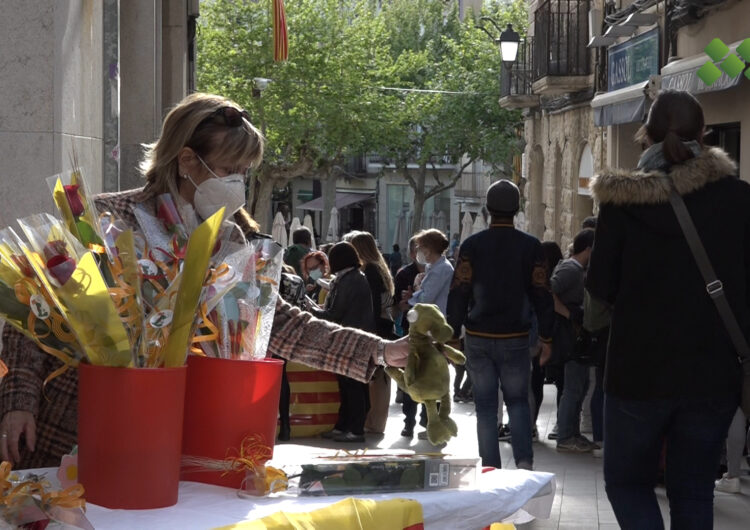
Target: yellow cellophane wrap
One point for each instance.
(91, 314)
(347, 514)
(197, 257)
(62, 204)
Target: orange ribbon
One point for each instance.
(14, 495)
(56, 324)
(250, 458)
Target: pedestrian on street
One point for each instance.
(567, 288)
(672, 372)
(499, 271)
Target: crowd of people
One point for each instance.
(620, 322)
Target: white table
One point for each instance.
(500, 495)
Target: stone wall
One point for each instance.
(554, 142)
(51, 105)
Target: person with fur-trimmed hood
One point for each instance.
(671, 372)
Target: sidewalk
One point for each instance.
(580, 503)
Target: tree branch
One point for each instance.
(452, 182)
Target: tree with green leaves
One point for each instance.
(452, 113)
(340, 93)
(321, 106)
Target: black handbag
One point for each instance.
(590, 348)
(715, 290)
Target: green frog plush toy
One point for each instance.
(426, 377)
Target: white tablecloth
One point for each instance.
(500, 495)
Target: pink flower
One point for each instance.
(67, 473)
(74, 199)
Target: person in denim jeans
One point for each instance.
(499, 272)
(567, 288)
(504, 362)
(672, 378)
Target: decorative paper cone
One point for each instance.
(225, 402)
(130, 435)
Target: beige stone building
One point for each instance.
(90, 76)
(553, 80)
(586, 76)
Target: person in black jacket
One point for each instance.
(349, 304)
(499, 272)
(671, 371)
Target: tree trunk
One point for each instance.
(329, 201)
(417, 184)
(260, 201)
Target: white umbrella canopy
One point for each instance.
(441, 222)
(466, 226)
(332, 235)
(278, 231)
(400, 232)
(479, 223)
(294, 226)
(308, 222)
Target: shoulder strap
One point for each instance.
(714, 287)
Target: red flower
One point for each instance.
(55, 248)
(23, 264)
(74, 199)
(61, 268)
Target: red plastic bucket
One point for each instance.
(129, 435)
(226, 401)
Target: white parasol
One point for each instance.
(332, 234)
(294, 226)
(466, 226)
(441, 222)
(278, 231)
(308, 222)
(479, 223)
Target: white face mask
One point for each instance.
(219, 192)
(421, 258)
(316, 274)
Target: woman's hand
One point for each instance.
(13, 424)
(396, 352)
(546, 353)
(418, 281)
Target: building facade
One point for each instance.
(553, 80)
(586, 76)
(86, 78)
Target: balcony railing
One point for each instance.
(561, 35)
(516, 81)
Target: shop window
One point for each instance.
(726, 136)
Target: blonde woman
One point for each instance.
(381, 287)
(205, 151)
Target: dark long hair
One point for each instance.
(552, 255)
(343, 255)
(674, 118)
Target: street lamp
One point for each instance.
(508, 41)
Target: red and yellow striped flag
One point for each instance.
(280, 38)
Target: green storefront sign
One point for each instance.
(634, 61)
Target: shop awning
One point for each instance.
(343, 199)
(626, 105)
(683, 75)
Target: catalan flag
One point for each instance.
(280, 38)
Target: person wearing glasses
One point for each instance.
(206, 148)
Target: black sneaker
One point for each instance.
(503, 433)
(350, 437)
(408, 432)
(333, 433)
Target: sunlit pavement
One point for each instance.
(580, 503)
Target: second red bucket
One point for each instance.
(226, 403)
